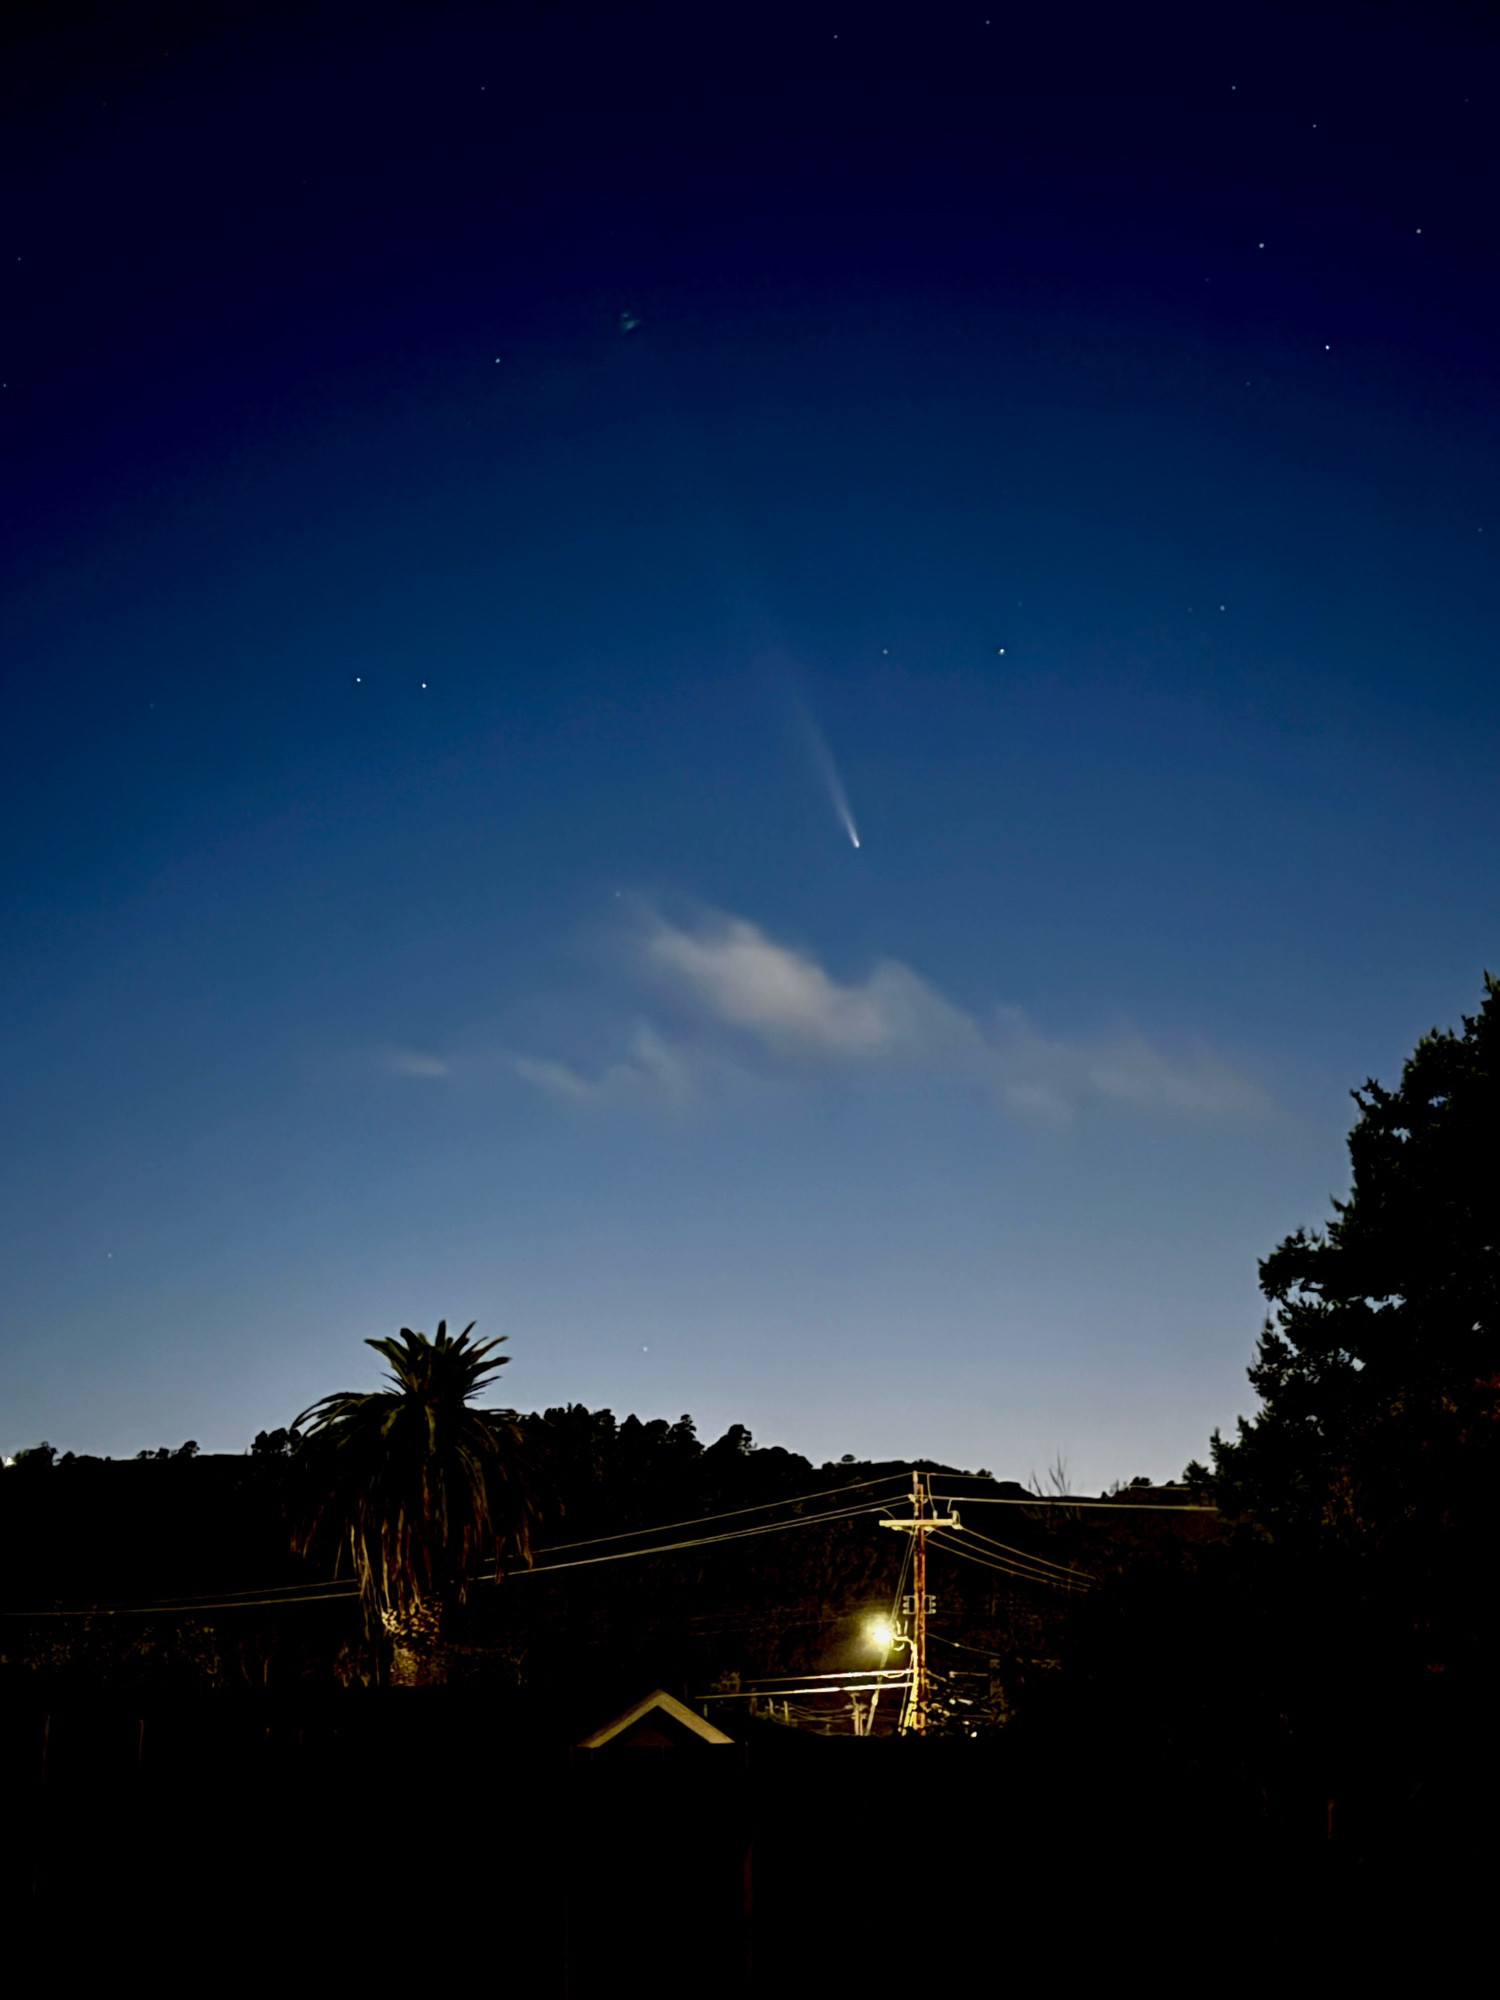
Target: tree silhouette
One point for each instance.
(418, 1488)
(1378, 1436)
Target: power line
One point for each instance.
(851, 1684)
(1021, 1555)
(701, 1520)
(983, 1652)
(320, 1592)
(766, 1682)
(266, 1593)
(704, 1541)
(1064, 1500)
(1032, 1574)
(1010, 1570)
(328, 1593)
(1039, 1569)
(903, 1578)
(1064, 1580)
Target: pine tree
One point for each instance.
(1378, 1373)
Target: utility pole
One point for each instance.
(920, 1526)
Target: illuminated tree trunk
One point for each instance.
(419, 1657)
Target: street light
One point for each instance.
(884, 1635)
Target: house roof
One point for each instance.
(661, 1703)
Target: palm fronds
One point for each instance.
(417, 1486)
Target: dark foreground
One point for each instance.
(398, 1833)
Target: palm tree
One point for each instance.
(418, 1488)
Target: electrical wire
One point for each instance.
(293, 1594)
(982, 1652)
(330, 1594)
(907, 1558)
(1011, 1567)
(1021, 1555)
(1064, 1580)
(765, 1682)
(1012, 1554)
(702, 1520)
(1048, 1500)
(316, 1593)
(287, 1593)
(1014, 1561)
(782, 1694)
(702, 1541)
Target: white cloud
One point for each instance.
(783, 999)
(786, 999)
(750, 1010)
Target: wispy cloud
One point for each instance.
(411, 1062)
(654, 1071)
(749, 1007)
(1056, 1075)
(789, 1004)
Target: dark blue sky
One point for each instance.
(477, 482)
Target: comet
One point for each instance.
(828, 771)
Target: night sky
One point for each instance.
(496, 497)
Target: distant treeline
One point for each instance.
(128, 1535)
